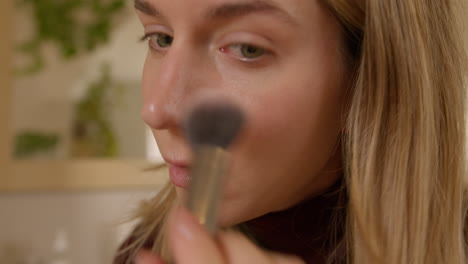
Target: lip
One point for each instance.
(178, 163)
(179, 173)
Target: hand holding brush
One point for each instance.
(193, 236)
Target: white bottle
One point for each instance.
(60, 248)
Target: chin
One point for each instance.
(226, 220)
(181, 194)
(227, 216)
(238, 215)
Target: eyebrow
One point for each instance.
(145, 8)
(227, 10)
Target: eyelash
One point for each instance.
(146, 37)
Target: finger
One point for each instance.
(238, 249)
(146, 257)
(190, 242)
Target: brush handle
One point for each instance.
(205, 189)
(205, 186)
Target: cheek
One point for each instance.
(291, 133)
(297, 114)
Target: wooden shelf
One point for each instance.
(79, 175)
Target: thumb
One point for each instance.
(190, 242)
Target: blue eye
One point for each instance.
(161, 40)
(251, 52)
(245, 52)
(158, 40)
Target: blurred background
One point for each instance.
(74, 105)
(74, 152)
(77, 67)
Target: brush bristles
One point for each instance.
(214, 124)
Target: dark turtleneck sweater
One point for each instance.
(312, 230)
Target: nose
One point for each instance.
(169, 80)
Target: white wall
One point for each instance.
(28, 223)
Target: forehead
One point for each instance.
(291, 11)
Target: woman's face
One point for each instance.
(280, 61)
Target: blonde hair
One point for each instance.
(404, 142)
(408, 109)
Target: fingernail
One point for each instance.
(185, 224)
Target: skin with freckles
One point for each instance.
(281, 61)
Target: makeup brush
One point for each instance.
(210, 128)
